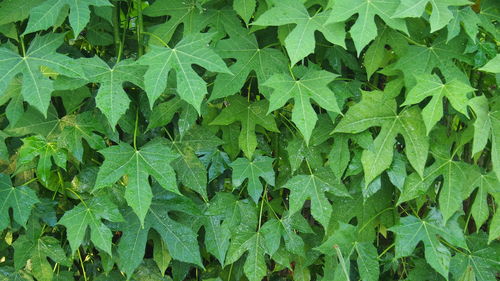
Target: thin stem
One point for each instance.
(386, 250)
(262, 206)
(139, 28)
(157, 38)
(81, 265)
(135, 128)
(116, 30)
(341, 261)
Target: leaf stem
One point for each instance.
(341, 261)
(116, 30)
(135, 128)
(262, 206)
(81, 265)
(139, 28)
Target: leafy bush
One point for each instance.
(249, 140)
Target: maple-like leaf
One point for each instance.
(482, 262)
(313, 84)
(313, 187)
(190, 170)
(300, 41)
(487, 126)
(440, 16)
(180, 239)
(440, 54)
(186, 13)
(286, 227)
(249, 115)
(46, 152)
(153, 159)
(245, 238)
(467, 18)
(457, 183)
(245, 8)
(89, 215)
(379, 109)
(111, 98)
(346, 240)
(364, 29)
(427, 85)
(20, 199)
(250, 57)
(37, 88)
(493, 65)
(38, 248)
(49, 13)
(192, 49)
(260, 167)
(411, 230)
(76, 128)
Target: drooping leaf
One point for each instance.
(260, 167)
(153, 159)
(37, 147)
(249, 115)
(37, 249)
(300, 41)
(111, 98)
(89, 215)
(48, 14)
(36, 87)
(313, 84)
(180, 239)
(440, 16)
(455, 91)
(190, 170)
(192, 49)
(250, 57)
(20, 199)
(378, 109)
(364, 29)
(412, 230)
(313, 187)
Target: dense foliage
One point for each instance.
(249, 140)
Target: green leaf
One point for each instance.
(190, 170)
(49, 12)
(364, 29)
(245, 8)
(313, 187)
(300, 41)
(378, 109)
(244, 238)
(482, 262)
(493, 65)
(36, 87)
(21, 199)
(260, 167)
(111, 98)
(250, 57)
(469, 20)
(38, 249)
(313, 84)
(76, 128)
(46, 152)
(181, 241)
(89, 215)
(249, 115)
(153, 159)
(454, 90)
(440, 54)
(487, 125)
(16, 10)
(412, 230)
(192, 49)
(440, 16)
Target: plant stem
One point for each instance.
(139, 27)
(116, 30)
(81, 265)
(135, 128)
